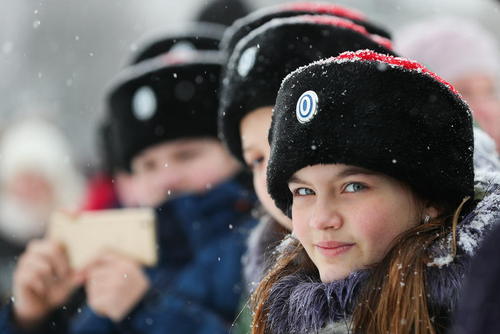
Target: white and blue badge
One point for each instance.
(144, 103)
(183, 46)
(307, 106)
(247, 61)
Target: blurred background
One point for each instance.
(58, 57)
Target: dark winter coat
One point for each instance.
(197, 286)
(479, 308)
(302, 304)
(9, 253)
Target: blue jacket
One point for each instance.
(197, 285)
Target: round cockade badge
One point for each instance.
(307, 106)
(182, 47)
(144, 103)
(247, 61)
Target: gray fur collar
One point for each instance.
(302, 304)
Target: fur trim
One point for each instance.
(485, 152)
(301, 304)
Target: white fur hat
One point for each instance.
(36, 145)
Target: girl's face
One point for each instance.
(253, 129)
(346, 217)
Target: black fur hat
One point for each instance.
(264, 57)
(196, 36)
(245, 25)
(170, 97)
(382, 113)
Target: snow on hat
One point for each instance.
(196, 36)
(264, 57)
(452, 47)
(170, 97)
(379, 112)
(245, 25)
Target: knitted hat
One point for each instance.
(166, 98)
(452, 47)
(378, 112)
(196, 36)
(265, 56)
(245, 25)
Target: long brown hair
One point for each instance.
(292, 260)
(395, 298)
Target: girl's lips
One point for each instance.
(332, 248)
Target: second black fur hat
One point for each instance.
(264, 57)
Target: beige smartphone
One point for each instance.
(130, 232)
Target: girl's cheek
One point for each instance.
(300, 225)
(374, 231)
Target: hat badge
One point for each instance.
(144, 103)
(182, 46)
(247, 61)
(307, 106)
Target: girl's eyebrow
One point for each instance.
(354, 170)
(348, 171)
(296, 179)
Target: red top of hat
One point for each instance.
(325, 8)
(368, 55)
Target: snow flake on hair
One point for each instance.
(325, 8)
(394, 62)
(288, 242)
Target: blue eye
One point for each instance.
(303, 192)
(257, 162)
(354, 187)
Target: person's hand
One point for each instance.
(43, 281)
(114, 285)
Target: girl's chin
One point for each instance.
(328, 277)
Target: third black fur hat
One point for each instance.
(378, 112)
(170, 97)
